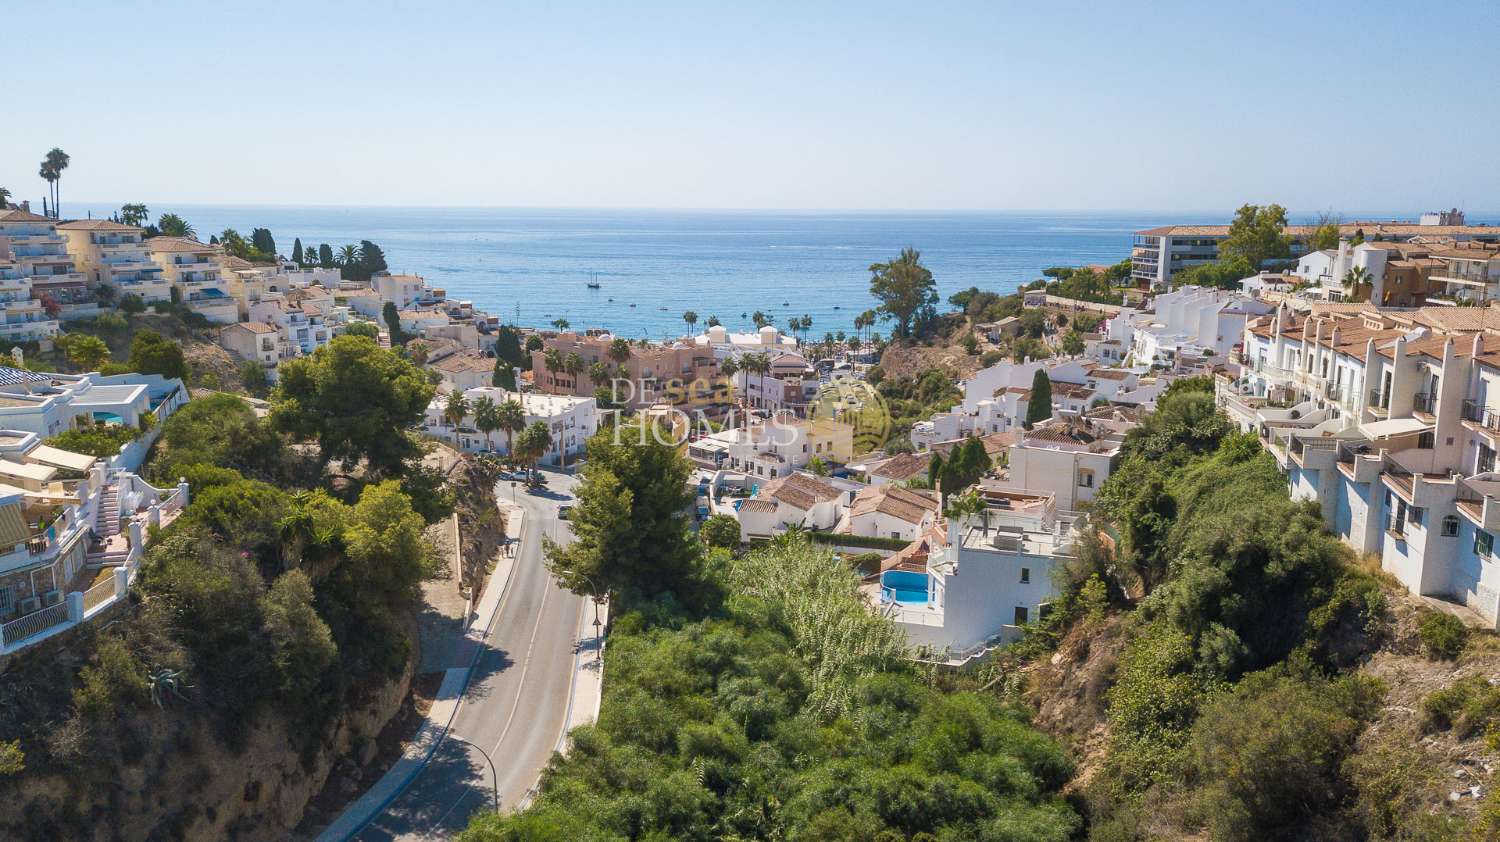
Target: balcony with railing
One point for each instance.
(1424, 404)
(1314, 453)
(1377, 404)
(1478, 416)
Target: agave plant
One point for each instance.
(167, 684)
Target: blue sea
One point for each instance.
(533, 266)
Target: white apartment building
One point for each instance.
(992, 578)
(255, 341)
(1189, 322)
(115, 255)
(1390, 422)
(193, 268)
(1066, 459)
(996, 400)
(301, 332)
(571, 421)
(404, 290)
(725, 343)
(32, 253)
(1159, 253)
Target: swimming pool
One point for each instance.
(904, 587)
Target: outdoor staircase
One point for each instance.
(107, 519)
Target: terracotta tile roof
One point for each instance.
(458, 363)
(756, 504)
(95, 225)
(909, 505)
(1371, 229)
(1110, 373)
(1072, 390)
(18, 215)
(903, 467)
(801, 490)
(178, 244)
(253, 327)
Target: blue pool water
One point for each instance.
(904, 587)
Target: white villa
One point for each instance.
(991, 577)
(891, 511)
(572, 420)
(798, 499)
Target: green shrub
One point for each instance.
(1468, 706)
(1443, 635)
(720, 531)
(1266, 759)
(99, 440)
(870, 542)
(113, 684)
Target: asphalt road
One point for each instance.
(516, 704)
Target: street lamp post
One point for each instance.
(494, 777)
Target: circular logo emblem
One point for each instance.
(858, 404)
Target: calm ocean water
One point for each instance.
(724, 263)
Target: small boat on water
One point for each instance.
(632, 305)
(593, 281)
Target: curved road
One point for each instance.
(516, 704)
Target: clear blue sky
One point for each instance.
(972, 105)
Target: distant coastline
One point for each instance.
(721, 263)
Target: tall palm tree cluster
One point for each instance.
(51, 172)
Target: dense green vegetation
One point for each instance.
(1233, 712)
(777, 706)
(911, 400)
(276, 590)
(100, 440)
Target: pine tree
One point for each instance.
(297, 252)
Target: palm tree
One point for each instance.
(512, 419)
(553, 361)
(806, 325)
(172, 225)
(758, 364)
(598, 373)
(135, 214)
(729, 368)
(456, 409)
(691, 318)
(4, 198)
(486, 420)
(619, 350)
(348, 255)
(760, 319)
(51, 171)
(560, 324)
(572, 366)
(534, 442)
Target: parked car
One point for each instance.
(562, 512)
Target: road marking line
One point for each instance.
(525, 665)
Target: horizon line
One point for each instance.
(707, 209)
